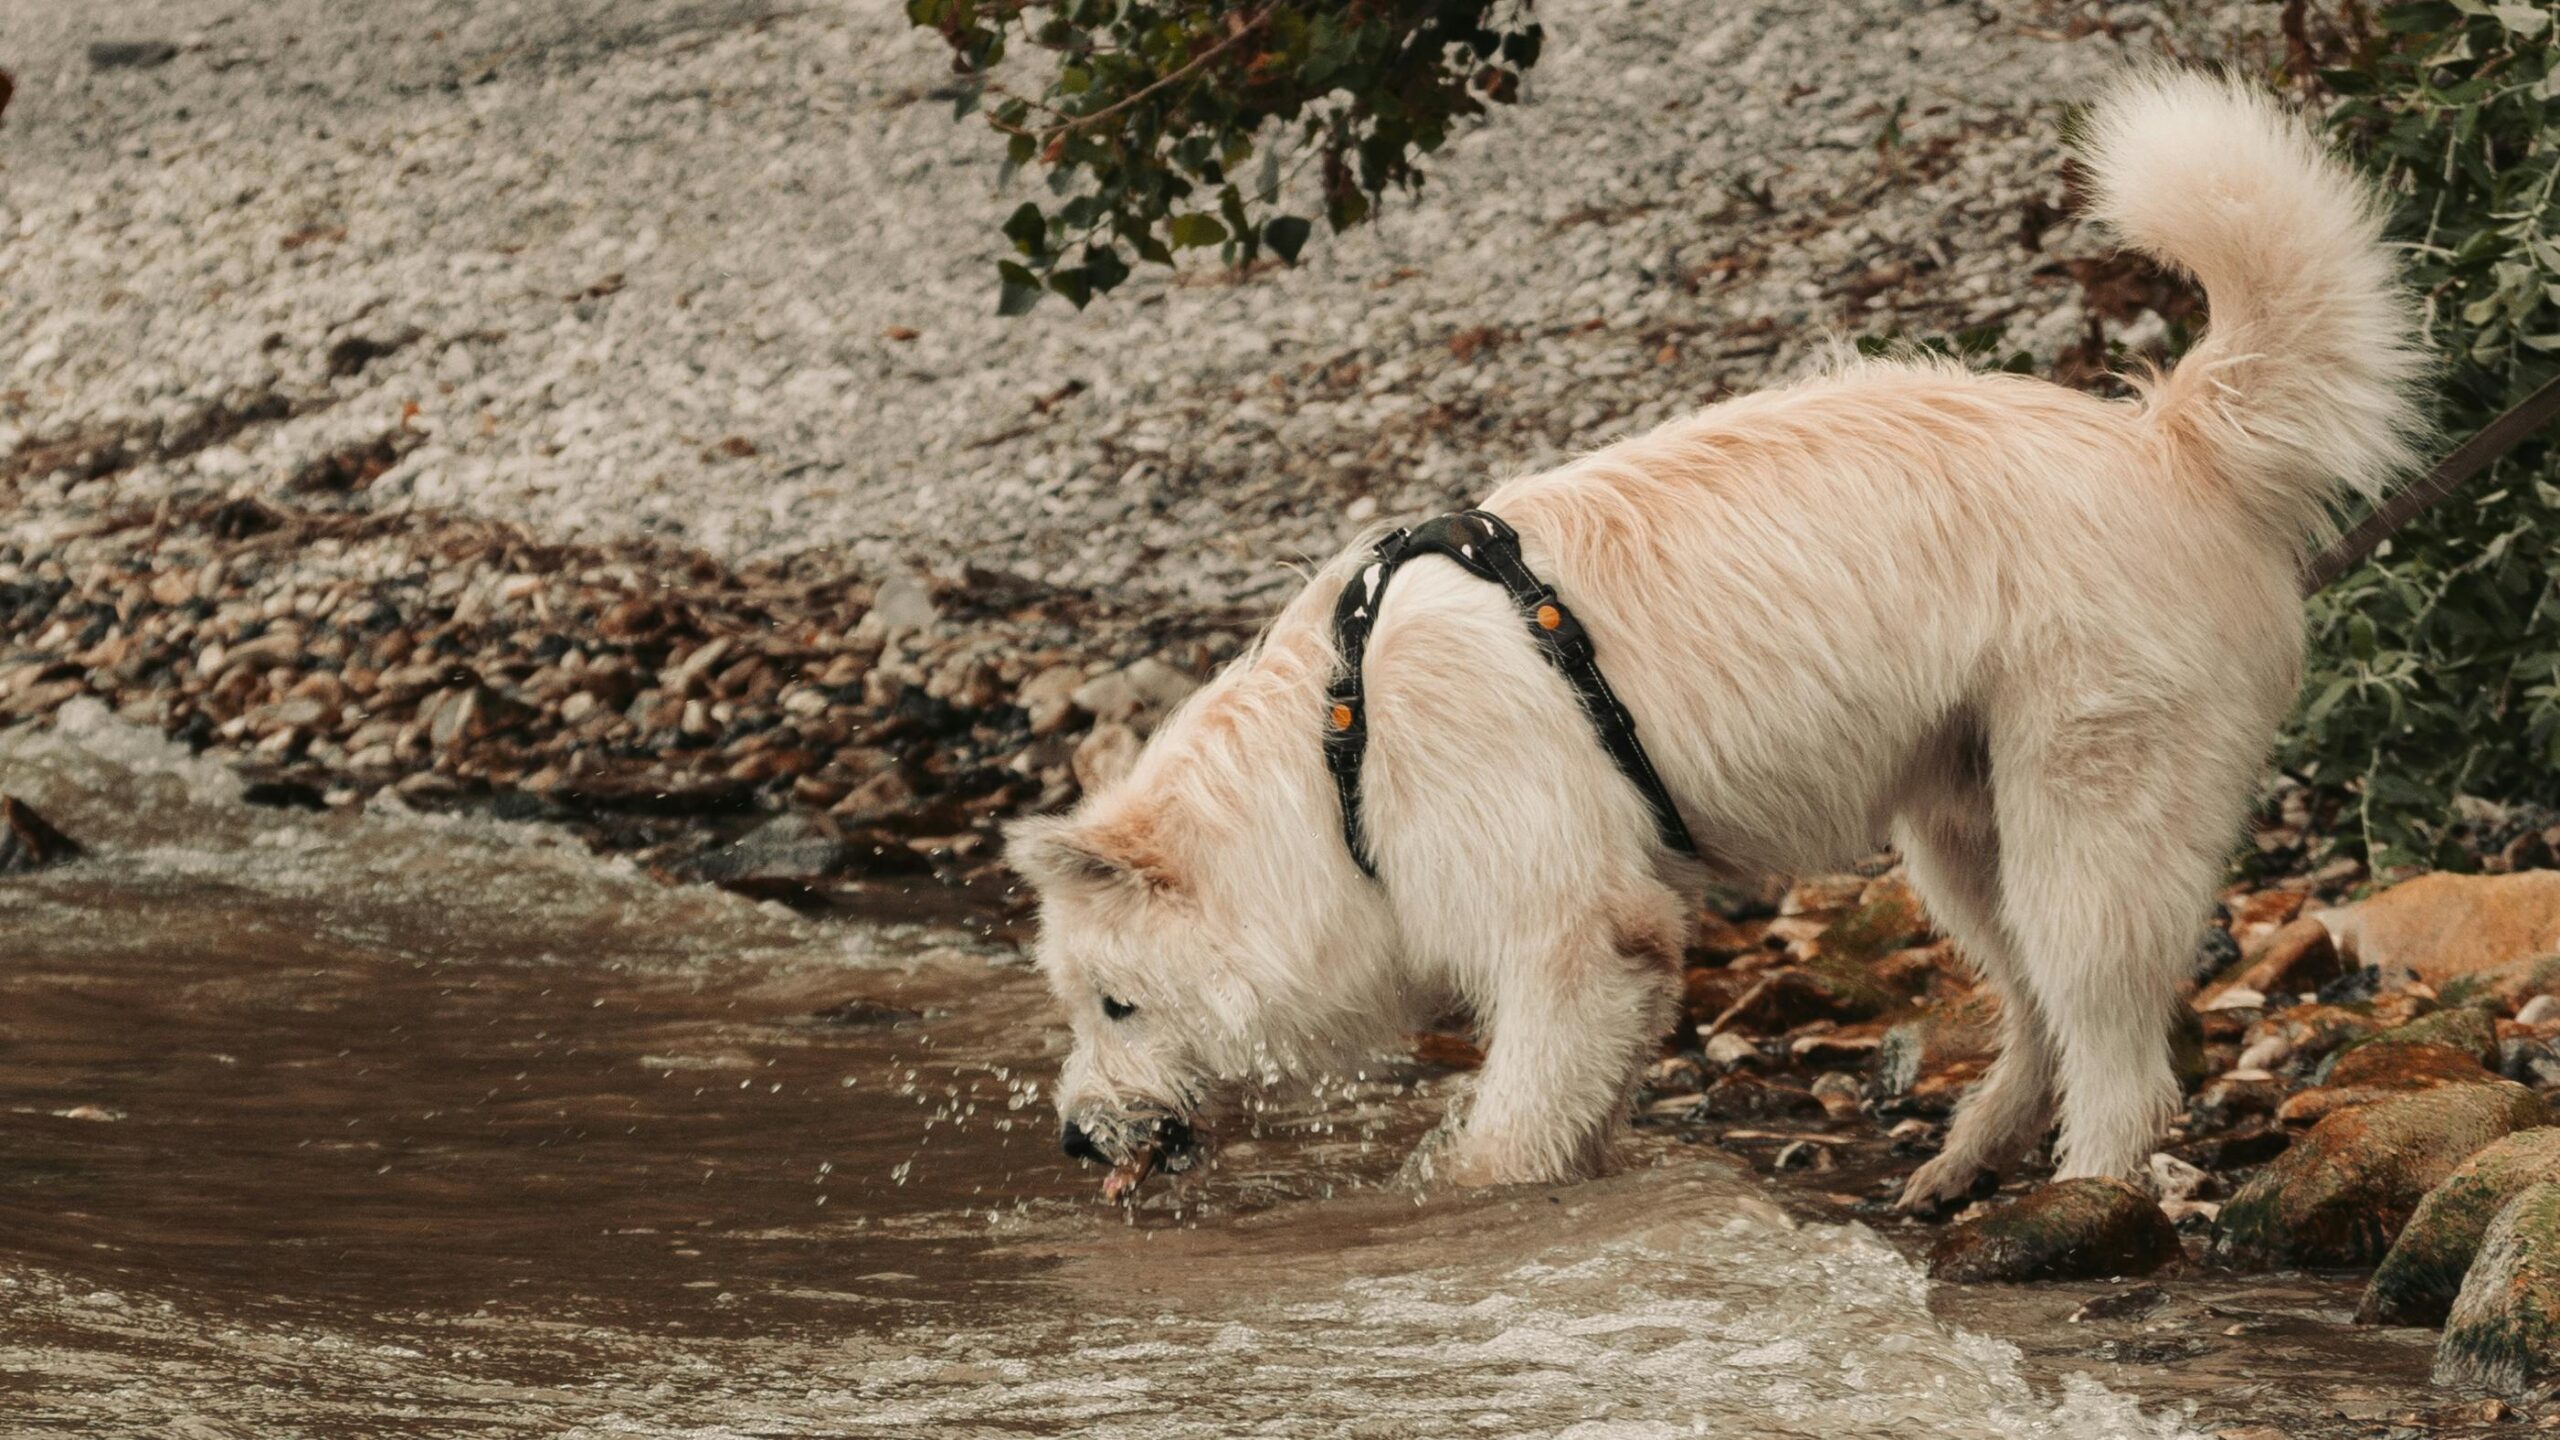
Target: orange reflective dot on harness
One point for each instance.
(1549, 617)
(1341, 717)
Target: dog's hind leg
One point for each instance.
(1951, 851)
(2112, 840)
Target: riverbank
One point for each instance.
(591, 414)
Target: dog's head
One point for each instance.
(1200, 921)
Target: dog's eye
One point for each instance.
(1118, 1009)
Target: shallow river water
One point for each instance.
(381, 1124)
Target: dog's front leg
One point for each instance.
(1572, 1030)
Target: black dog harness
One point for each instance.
(1488, 549)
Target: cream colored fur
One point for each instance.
(2039, 639)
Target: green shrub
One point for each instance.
(2435, 670)
(1168, 125)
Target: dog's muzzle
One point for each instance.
(1168, 1135)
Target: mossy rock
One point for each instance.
(2414, 1066)
(2418, 1280)
(2505, 987)
(1886, 923)
(2504, 1330)
(2458, 1027)
(2341, 1193)
(2083, 1229)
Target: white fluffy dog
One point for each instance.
(2040, 639)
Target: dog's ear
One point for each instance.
(1056, 853)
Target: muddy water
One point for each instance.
(380, 1124)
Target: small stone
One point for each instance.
(2237, 997)
(2129, 1304)
(903, 603)
(2299, 957)
(1739, 1097)
(1105, 755)
(1728, 1051)
(885, 794)
(1842, 1097)
(1675, 1075)
(2070, 1230)
(2503, 1332)
(1048, 698)
(2174, 1179)
(1144, 690)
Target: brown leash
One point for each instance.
(2468, 459)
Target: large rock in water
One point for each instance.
(2417, 1281)
(2441, 926)
(2070, 1230)
(2504, 1332)
(2341, 1193)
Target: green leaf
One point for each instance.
(1074, 284)
(1028, 232)
(1021, 289)
(1190, 232)
(1286, 236)
(1105, 266)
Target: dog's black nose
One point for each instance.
(1079, 1145)
(1176, 1138)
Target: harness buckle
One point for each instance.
(1557, 628)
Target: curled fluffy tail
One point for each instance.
(2304, 381)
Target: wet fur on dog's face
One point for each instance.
(1199, 921)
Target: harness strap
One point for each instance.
(1483, 546)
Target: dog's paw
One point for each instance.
(1945, 1185)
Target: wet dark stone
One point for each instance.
(2129, 1304)
(867, 1014)
(284, 795)
(28, 841)
(2528, 1061)
(240, 519)
(130, 54)
(2070, 1230)
(792, 847)
(2355, 985)
(350, 355)
(1739, 1097)
(2216, 952)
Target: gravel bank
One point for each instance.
(615, 268)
